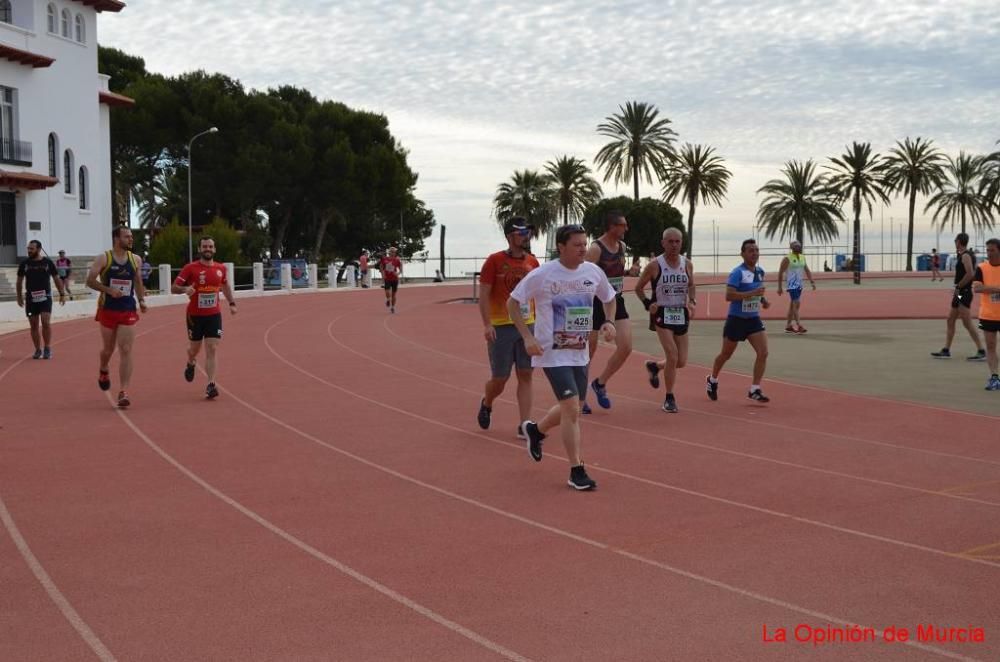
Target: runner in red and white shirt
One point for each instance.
(392, 268)
(203, 281)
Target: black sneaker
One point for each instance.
(670, 404)
(654, 373)
(47, 353)
(104, 380)
(484, 415)
(37, 354)
(189, 372)
(534, 437)
(978, 356)
(712, 388)
(758, 395)
(579, 480)
(386, 303)
(945, 353)
(211, 392)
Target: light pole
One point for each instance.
(190, 165)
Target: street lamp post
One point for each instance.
(190, 206)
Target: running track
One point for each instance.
(339, 502)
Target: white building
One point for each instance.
(55, 160)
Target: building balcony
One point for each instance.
(15, 152)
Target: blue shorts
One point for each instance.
(568, 381)
(795, 294)
(739, 329)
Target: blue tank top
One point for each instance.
(119, 277)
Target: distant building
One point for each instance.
(55, 154)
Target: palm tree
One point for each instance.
(990, 184)
(528, 194)
(640, 144)
(573, 186)
(696, 173)
(960, 196)
(859, 175)
(803, 202)
(914, 167)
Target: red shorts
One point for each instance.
(112, 319)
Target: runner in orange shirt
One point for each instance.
(986, 283)
(500, 274)
(203, 280)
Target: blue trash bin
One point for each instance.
(924, 262)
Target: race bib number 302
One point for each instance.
(672, 316)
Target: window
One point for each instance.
(52, 19)
(81, 29)
(68, 172)
(6, 12)
(65, 23)
(83, 187)
(7, 133)
(53, 155)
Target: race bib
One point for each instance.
(38, 296)
(390, 268)
(751, 305)
(207, 299)
(62, 273)
(576, 328)
(672, 316)
(525, 311)
(617, 282)
(994, 297)
(122, 285)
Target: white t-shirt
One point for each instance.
(564, 302)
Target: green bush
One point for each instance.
(170, 244)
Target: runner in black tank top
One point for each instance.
(961, 301)
(608, 252)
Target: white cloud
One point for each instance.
(476, 89)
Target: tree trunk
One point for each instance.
(278, 241)
(320, 233)
(857, 237)
(635, 178)
(443, 228)
(909, 231)
(691, 204)
(963, 218)
(565, 214)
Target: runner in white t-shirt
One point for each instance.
(563, 291)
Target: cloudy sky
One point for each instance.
(478, 89)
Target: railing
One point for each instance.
(15, 152)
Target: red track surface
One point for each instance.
(339, 502)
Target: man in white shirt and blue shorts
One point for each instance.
(563, 291)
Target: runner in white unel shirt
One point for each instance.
(563, 291)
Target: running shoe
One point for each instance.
(758, 395)
(670, 404)
(654, 373)
(790, 329)
(104, 380)
(386, 303)
(579, 480)
(534, 439)
(47, 353)
(37, 354)
(712, 388)
(585, 408)
(993, 384)
(978, 356)
(945, 353)
(484, 415)
(123, 401)
(392, 309)
(602, 394)
(211, 392)
(801, 329)
(189, 372)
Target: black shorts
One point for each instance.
(678, 329)
(989, 325)
(390, 285)
(204, 326)
(568, 381)
(620, 312)
(963, 297)
(739, 329)
(34, 309)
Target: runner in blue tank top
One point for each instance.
(745, 294)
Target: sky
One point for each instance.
(477, 89)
